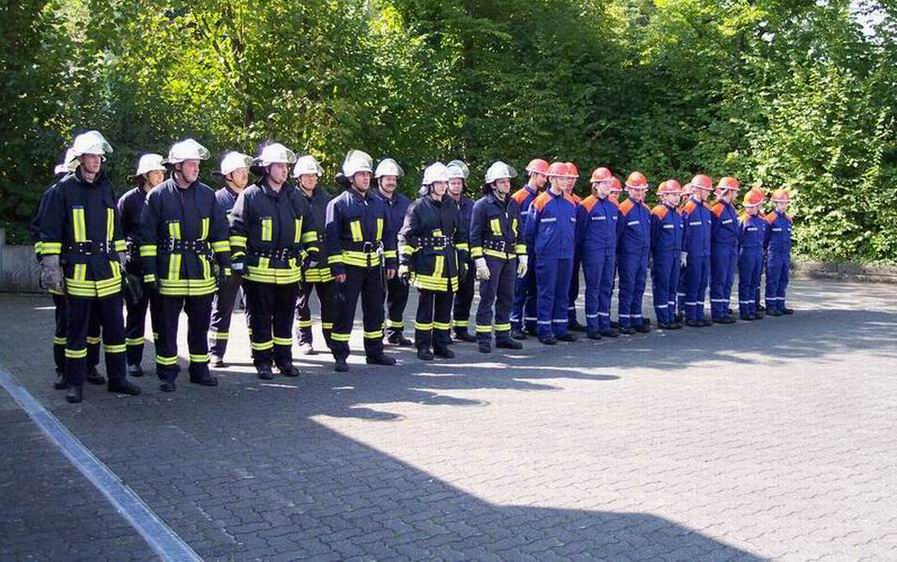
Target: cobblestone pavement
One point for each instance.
(773, 439)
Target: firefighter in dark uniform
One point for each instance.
(185, 250)
(83, 249)
(93, 329)
(272, 235)
(307, 172)
(387, 175)
(150, 173)
(499, 254)
(458, 174)
(433, 253)
(358, 253)
(234, 171)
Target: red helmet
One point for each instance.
(753, 198)
(600, 174)
(537, 166)
(557, 169)
(781, 195)
(572, 170)
(701, 181)
(615, 184)
(669, 187)
(728, 183)
(637, 180)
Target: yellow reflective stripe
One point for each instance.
(199, 358)
(495, 224)
(283, 341)
(437, 233)
(219, 335)
(135, 341)
(423, 327)
(440, 265)
(75, 353)
(237, 241)
(262, 346)
(304, 323)
(496, 254)
(502, 327)
(394, 324)
(120, 348)
(355, 228)
(309, 237)
(335, 258)
(93, 340)
(110, 224)
(267, 229)
(463, 246)
(80, 230)
(376, 334)
(297, 230)
(359, 259)
(484, 329)
(520, 249)
(326, 325)
(390, 254)
(50, 248)
(149, 278)
(120, 246)
(174, 229)
(148, 250)
(167, 361)
(221, 246)
(379, 230)
(59, 341)
(339, 337)
(514, 226)
(80, 273)
(461, 323)
(37, 246)
(441, 326)
(206, 266)
(476, 252)
(204, 228)
(174, 267)
(407, 250)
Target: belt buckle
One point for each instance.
(87, 247)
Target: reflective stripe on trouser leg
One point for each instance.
(110, 316)
(282, 323)
(78, 312)
(222, 312)
(463, 300)
(59, 333)
(423, 320)
(199, 313)
(372, 294)
(488, 292)
(396, 300)
(93, 338)
(504, 298)
(135, 326)
(260, 297)
(346, 301)
(442, 319)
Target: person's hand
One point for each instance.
(482, 269)
(340, 277)
(522, 265)
(51, 273)
(405, 274)
(390, 273)
(683, 259)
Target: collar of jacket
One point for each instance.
(100, 180)
(266, 189)
(500, 202)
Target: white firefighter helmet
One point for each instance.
(234, 160)
(307, 165)
(149, 163)
(388, 167)
(68, 164)
(458, 169)
(275, 153)
(91, 142)
(436, 171)
(187, 149)
(357, 161)
(499, 170)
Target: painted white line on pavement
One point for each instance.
(157, 534)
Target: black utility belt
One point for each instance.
(283, 254)
(175, 245)
(434, 242)
(365, 247)
(88, 248)
(498, 245)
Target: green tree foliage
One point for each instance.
(793, 93)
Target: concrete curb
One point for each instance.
(845, 271)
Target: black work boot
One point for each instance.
(94, 376)
(485, 345)
(424, 354)
(380, 359)
(60, 383)
(264, 372)
(507, 342)
(443, 352)
(123, 387)
(75, 394)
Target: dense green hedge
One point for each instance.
(782, 93)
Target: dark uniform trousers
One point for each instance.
(135, 326)
(464, 298)
(222, 310)
(396, 299)
(433, 320)
(368, 284)
(59, 335)
(108, 314)
(326, 291)
(199, 311)
(497, 290)
(271, 321)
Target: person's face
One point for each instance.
(277, 173)
(671, 199)
(729, 195)
(91, 163)
(503, 186)
(782, 206)
(437, 189)
(601, 188)
(701, 194)
(389, 183)
(614, 196)
(455, 187)
(571, 183)
(153, 178)
(239, 177)
(309, 181)
(752, 210)
(538, 180)
(189, 170)
(637, 195)
(362, 181)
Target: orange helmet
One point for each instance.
(753, 198)
(669, 187)
(701, 181)
(557, 169)
(572, 170)
(728, 183)
(781, 195)
(637, 180)
(537, 166)
(615, 184)
(600, 175)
